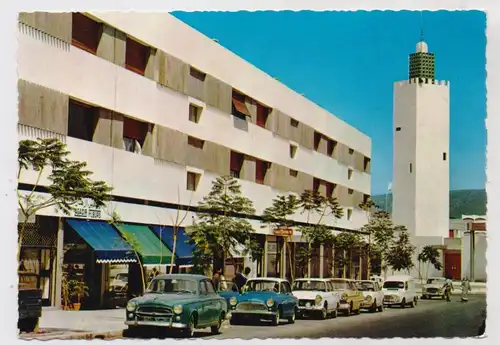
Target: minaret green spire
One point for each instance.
(421, 62)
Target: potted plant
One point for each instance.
(79, 290)
(65, 293)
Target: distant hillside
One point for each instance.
(467, 201)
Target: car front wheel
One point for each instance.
(189, 331)
(291, 319)
(216, 329)
(276, 319)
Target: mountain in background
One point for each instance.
(467, 201)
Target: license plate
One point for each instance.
(149, 318)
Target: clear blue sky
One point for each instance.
(347, 62)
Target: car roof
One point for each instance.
(181, 276)
(366, 281)
(268, 278)
(313, 279)
(342, 279)
(398, 278)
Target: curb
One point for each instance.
(76, 336)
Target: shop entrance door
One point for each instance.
(35, 271)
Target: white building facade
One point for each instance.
(159, 110)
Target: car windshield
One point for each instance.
(365, 286)
(309, 285)
(394, 285)
(228, 286)
(340, 285)
(435, 281)
(262, 285)
(122, 276)
(171, 285)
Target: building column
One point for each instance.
(360, 272)
(59, 264)
(283, 259)
(333, 262)
(264, 259)
(321, 260)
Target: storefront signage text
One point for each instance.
(283, 232)
(87, 208)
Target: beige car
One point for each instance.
(351, 299)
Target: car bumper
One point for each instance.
(437, 294)
(344, 306)
(367, 304)
(311, 308)
(251, 312)
(392, 302)
(171, 324)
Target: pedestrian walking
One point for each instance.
(465, 285)
(241, 278)
(216, 278)
(448, 288)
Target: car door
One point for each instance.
(212, 302)
(288, 300)
(330, 296)
(203, 310)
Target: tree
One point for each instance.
(346, 243)
(429, 256)
(369, 207)
(220, 226)
(400, 255)
(313, 203)
(381, 231)
(69, 180)
(278, 214)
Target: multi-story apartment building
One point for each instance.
(159, 110)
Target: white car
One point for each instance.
(434, 288)
(316, 296)
(377, 279)
(373, 294)
(401, 291)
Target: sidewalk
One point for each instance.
(84, 324)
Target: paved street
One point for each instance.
(435, 318)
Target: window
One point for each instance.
(210, 287)
(86, 33)
(203, 288)
(195, 142)
(194, 113)
(351, 151)
(197, 74)
(82, 120)
(349, 173)
(294, 123)
(330, 188)
(349, 214)
(262, 115)
(134, 134)
(316, 183)
(285, 287)
(398, 129)
(451, 233)
(350, 191)
(366, 198)
(293, 173)
(236, 163)
(366, 164)
(239, 108)
(411, 168)
(331, 145)
(444, 156)
(136, 56)
(317, 140)
(261, 168)
(192, 181)
(293, 151)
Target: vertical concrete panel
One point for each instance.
(171, 145)
(252, 109)
(176, 73)
(272, 121)
(103, 131)
(218, 94)
(215, 158)
(282, 124)
(120, 47)
(248, 169)
(194, 156)
(358, 159)
(306, 181)
(106, 47)
(117, 131)
(296, 132)
(30, 100)
(58, 25)
(148, 147)
(225, 101)
(151, 67)
(307, 137)
(55, 111)
(195, 88)
(322, 148)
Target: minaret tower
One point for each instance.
(421, 150)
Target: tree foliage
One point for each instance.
(430, 256)
(400, 254)
(69, 180)
(220, 228)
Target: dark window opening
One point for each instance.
(351, 151)
(331, 145)
(134, 134)
(398, 129)
(294, 123)
(136, 56)
(239, 108)
(366, 198)
(349, 214)
(293, 173)
(82, 120)
(236, 163)
(411, 167)
(195, 142)
(262, 115)
(192, 181)
(86, 33)
(366, 164)
(451, 233)
(293, 151)
(444, 156)
(349, 174)
(316, 184)
(194, 113)
(350, 191)
(317, 140)
(261, 168)
(330, 189)
(197, 74)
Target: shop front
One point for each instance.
(177, 240)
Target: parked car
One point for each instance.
(373, 295)
(229, 290)
(434, 288)
(351, 299)
(316, 296)
(378, 279)
(177, 301)
(401, 291)
(264, 298)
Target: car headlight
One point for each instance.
(368, 298)
(318, 299)
(270, 303)
(131, 306)
(343, 296)
(178, 309)
(233, 301)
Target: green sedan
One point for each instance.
(177, 301)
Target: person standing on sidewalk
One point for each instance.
(465, 285)
(448, 288)
(216, 278)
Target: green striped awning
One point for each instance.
(146, 243)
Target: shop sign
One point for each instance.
(478, 226)
(86, 208)
(283, 232)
